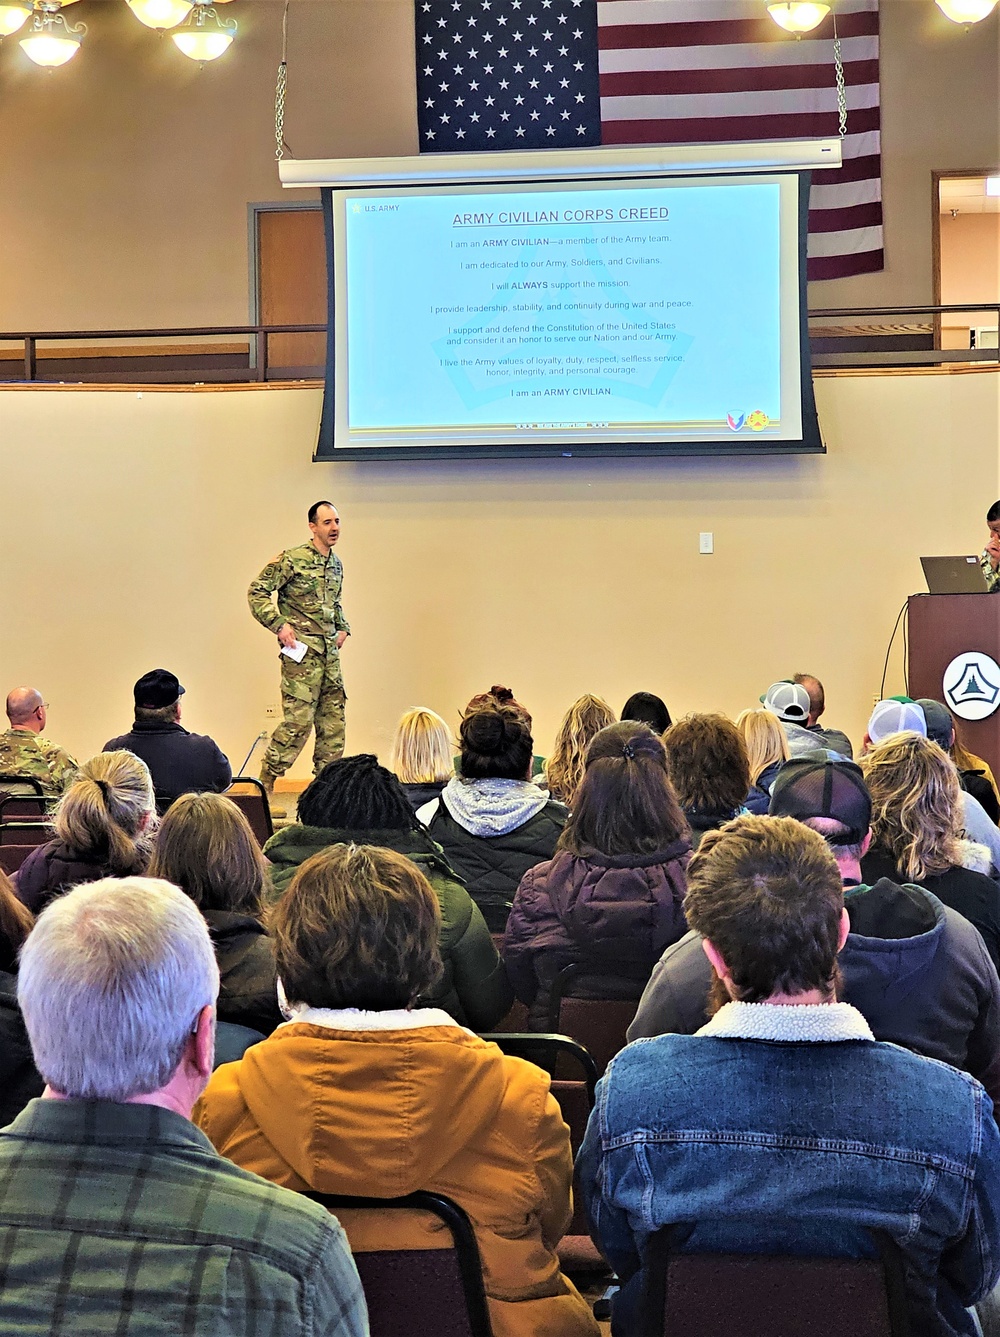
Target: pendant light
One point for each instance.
(14, 15)
(203, 35)
(50, 41)
(160, 14)
(799, 16)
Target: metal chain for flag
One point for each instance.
(838, 65)
(279, 92)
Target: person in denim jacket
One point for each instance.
(783, 1126)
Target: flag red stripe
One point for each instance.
(733, 129)
(853, 169)
(843, 266)
(749, 80)
(632, 36)
(842, 220)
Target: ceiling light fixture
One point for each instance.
(160, 14)
(50, 41)
(203, 35)
(799, 16)
(966, 11)
(13, 15)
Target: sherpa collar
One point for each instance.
(811, 1022)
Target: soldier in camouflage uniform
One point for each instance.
(308, 581)
(25, 753)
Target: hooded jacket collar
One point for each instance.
(492, 807)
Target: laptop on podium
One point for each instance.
(954, 575)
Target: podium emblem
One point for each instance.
(971, 684)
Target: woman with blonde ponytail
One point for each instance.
(104, 825)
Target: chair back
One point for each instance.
(599, 1024)
(20, 784)
(421, 1292)
(25, 833)
(758, 1295)
(13, 807)
(13, 856)
(250, 797)
(233, 1040)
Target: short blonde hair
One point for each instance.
(766, 740)
(422, 749)
(916, 804)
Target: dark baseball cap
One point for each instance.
(157, 688)
(822, 785)
(940, 725)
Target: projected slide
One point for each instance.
(644, 311)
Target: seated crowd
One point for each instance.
(196, 1033)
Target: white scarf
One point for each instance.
(809, 1022)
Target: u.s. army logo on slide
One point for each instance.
(971, 685)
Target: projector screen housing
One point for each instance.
(632, 314)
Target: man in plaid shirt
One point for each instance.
(116, 1214)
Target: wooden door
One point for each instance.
(291, 278)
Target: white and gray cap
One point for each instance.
(789, 701)
(893, 716)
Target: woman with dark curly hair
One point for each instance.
(612, 899)
(355, 800)
(491, 821)
(709, 769)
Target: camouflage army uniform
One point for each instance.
(25, 753)
(992, 577)
(308, 587)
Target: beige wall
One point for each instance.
(127, 173)
(133, 523)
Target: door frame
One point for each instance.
(254, 210)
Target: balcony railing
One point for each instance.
(896, 336)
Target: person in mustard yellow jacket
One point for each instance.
(363, 1093)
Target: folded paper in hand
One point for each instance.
(296, 651)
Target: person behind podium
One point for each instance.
(990, 558)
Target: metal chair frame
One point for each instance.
(463, 1238)
(527, 1044)
(35, 784)
(258, 787)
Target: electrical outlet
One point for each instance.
(706, 543)
(271, 712)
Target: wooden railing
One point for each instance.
(896, 336)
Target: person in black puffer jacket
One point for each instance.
(356, 801)
(103, 825)
(612, 899)
(491, 821)
(205, 846)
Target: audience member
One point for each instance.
(647, 708)
(25, 754)
(896, 714)
(503, 696)
(421, 755)
(612, 898)
(916, 969)
(833, 740)
(917, 830)
(205, 846)
(564, 768)
(979, 825)
(19, 1079)
(354, 800)
(378, 1096)
(790, 702)
(178, 761)
(491, 821)
(118, 1214)
(767, 748)
(970, 765)
(709, 770)
(102, 827)
(786, 1094)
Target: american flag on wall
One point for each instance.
(502, 74)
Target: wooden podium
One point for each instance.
(942, 626)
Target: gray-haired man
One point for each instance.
(117, 1214)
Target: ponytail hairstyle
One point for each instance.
(625, 803)
(110, 807)
(496, 744)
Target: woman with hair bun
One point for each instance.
(104, 824)
(491, 821)
(611, 901)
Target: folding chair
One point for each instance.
(14, 807)
(421, 1292)
(250, 797)
(598, 1023)
(13, 856)
(25, 833)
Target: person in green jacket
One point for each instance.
(354, 800)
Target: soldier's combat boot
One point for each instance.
(267, 780)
